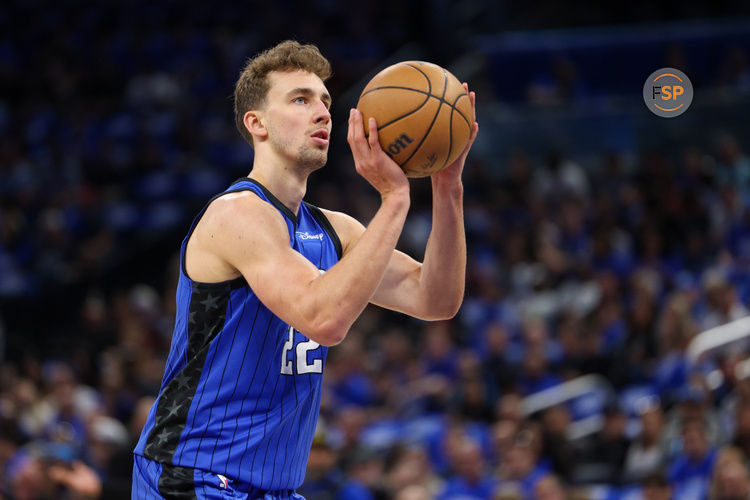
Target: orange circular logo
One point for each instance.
(668, 92)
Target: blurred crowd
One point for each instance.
(608, 267)
(573, 271)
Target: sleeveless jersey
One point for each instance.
(241, 390)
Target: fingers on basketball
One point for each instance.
(425, 116)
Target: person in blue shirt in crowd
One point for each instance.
(690, 471)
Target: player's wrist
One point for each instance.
(398, 198)
(446, 184)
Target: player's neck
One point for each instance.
(284, 181)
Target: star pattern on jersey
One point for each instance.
(183, 381)
(206, 318)
(210, 302)
(148, 450)
(163, 436)
(174, 409)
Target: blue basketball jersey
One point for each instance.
(241, 391)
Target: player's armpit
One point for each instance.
(347, 228)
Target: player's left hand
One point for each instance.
(453, 171)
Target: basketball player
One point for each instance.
(268, 282)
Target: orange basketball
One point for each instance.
(423, 113)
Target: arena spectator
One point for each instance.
(603, 457)
(690, 470)
(469, 479)
(730, 480)
(411, 474)
(557, 447)
(648, 452)
(521, 467)
(656, 487)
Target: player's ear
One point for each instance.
(254, 124)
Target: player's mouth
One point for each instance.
(321, 137)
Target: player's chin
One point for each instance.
(314, 159)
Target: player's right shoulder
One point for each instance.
(236, 230)
(238, 209)
(235, 200)
(240, 218)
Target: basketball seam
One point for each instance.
(450, 125)
(450, 133)
(434, 118)
(429, 84)
(458, 110)
(410, 112)
(427, 98)
(397, 87)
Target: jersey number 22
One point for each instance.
(287, 366)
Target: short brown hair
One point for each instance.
(252, 86)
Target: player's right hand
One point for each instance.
(371, 161)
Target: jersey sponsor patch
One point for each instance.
(304, 235)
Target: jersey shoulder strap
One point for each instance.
(321, 218)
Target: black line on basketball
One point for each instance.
(399, 87)
(429, 82)
(442, 100)
(394, 121)
(429, 85)
(458, 110)
(427, 98)
(426, 93)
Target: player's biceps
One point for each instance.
(267, 275)
(281, 292)
(287, 277)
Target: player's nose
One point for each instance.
(322, 113)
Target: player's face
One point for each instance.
(297, 117)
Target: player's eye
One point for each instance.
(299, 100)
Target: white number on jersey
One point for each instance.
(301, 353)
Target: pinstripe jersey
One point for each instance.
(241, 390)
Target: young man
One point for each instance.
(268, 282)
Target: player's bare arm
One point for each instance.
(242, 235)
(433, 289)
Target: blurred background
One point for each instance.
(603, 241)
